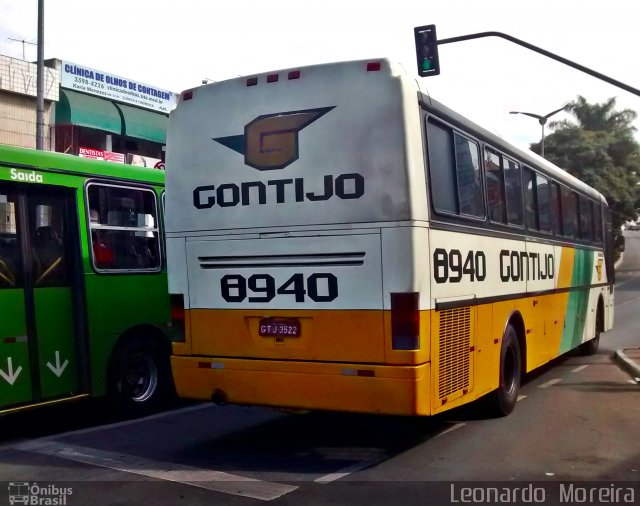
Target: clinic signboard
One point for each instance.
(113, 87)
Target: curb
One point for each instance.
(627, 364)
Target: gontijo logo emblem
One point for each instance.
(270, 141)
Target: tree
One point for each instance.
(599, 148)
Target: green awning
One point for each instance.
(144, 124)
(84, 110)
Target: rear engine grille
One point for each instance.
(454, 344)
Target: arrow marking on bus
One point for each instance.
(59, 368)
(10, 376)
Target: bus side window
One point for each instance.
(124, 228)
(468, 175)
(530, 199)
(556, 209)
(513, 191)
(543, 194)
(569, 212)
(10, 256)
(495, 186)
(586, 218)
(597, 222)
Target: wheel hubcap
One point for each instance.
(141, 378)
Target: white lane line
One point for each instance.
(633, 382)
(580, 368)
(168, 471)
(450, 429)
(550, 383)
(358, 466)
(520, 397)
(124, 423)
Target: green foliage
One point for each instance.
(599, 148)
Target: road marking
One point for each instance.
(520, 397)
(124, 423)
(358, 466)
(550, 382)
(450, 429)
(169, 471)
(580, 368)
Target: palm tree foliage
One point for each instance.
(598, 147)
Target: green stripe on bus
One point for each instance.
(576, 315)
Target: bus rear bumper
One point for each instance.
(384, 389)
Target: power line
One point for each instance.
(23, 44)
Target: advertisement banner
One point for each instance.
(95, 82)
(100, 154)
(145, 161)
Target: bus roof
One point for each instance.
(528, 157)
(48, 160)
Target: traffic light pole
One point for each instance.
(544, 52)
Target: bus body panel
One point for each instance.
(259, 167)
(75, 327)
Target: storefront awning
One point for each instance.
(84, 110)
(143, 124)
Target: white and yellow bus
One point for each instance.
(340, 241)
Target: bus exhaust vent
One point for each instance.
(454, 343)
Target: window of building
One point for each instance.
(124, 228)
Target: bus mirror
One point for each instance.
(427, 50)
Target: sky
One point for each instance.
(175, 44)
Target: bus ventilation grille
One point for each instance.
(455, 339)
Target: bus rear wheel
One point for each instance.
(139, 376)
(503, 400)
(591, 346)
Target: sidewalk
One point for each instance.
(629, 360)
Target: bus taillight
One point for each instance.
(405, 321)
(177, 310)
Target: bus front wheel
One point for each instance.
(139, 377)
(503, 400)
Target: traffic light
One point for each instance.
(427, 50)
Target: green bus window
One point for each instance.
(495, 186)
(46, 223)
(10, 254)
(468, 175)
(124, 228)
(513, 191)
(441, 168)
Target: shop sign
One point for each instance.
(100, 154)
(145, 161)
(113, 87)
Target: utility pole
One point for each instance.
(40, 80)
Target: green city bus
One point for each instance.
(84, 305)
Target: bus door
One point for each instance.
(38, 293)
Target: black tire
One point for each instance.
(591, 346)
(503, 400)
(139, 380)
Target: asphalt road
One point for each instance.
(577, 419)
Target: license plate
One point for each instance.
(279, 327)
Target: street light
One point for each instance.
(542, 120)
